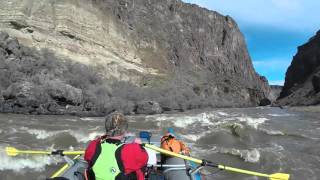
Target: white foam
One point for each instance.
(252, 122)
(84, 137)
(16, 164)
(80, 135)
(252, 155)
(280, 115)
(40, 133)
(183, 122)
(222, 114)
(272, 132)
(90, 118)
(205, 119)
(194, 137)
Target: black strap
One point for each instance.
(167, 138)
(57, 152)
(118, 158)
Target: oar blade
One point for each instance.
(11, 151)
(279, 176)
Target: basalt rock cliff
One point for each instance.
(302, 83)
(98, 56)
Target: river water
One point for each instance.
(261, 139)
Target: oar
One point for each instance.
(11, 151)
(276, 176)
(63, 168)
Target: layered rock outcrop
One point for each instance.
(303, 76)
(110, 55)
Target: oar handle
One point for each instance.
(62, 152)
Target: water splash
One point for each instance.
(40, 133)
(37, 163)
(252, 122)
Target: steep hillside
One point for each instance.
(302, 83)
(135, 55)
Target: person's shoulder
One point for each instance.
(133, 145)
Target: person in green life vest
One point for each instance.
(109, 159)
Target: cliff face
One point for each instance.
(302, 83)
(197, 56)
(275, 91)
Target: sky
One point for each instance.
(273, 29)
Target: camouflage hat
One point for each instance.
(116, 124)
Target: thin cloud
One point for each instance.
(277, 82)
(296, 15)
(272, 63)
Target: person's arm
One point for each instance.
(184, 148)
(134, 158)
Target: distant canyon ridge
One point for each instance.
(92, 57)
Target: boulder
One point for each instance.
(64, 94)
(22, 93)
(265, 102)
(13, 46)
(3, 38)
(148, 107)
(73, 109)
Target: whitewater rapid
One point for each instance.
(261, 139)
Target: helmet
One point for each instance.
(116, 124)
(171, 132)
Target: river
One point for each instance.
(261, 139)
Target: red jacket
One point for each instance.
(133, 156)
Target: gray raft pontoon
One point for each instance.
(171, 169)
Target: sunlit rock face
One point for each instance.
(302, 83)
(197, 55)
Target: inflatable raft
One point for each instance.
(172, 168)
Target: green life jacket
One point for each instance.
(106, 166)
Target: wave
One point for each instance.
(194, 137)
(272, 132)
(91, 118)
(248, 155)
(202, 119)
(79, 135)
(222, 114)
(236, 129)
(252, 122)
(252, 155)
(280, 133)
(84, 137)
(280, 115)
(42, 134)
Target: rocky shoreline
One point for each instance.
(314, 109)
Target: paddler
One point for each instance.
(109, 159)
(170, 142)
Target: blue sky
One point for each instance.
(273, 29)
